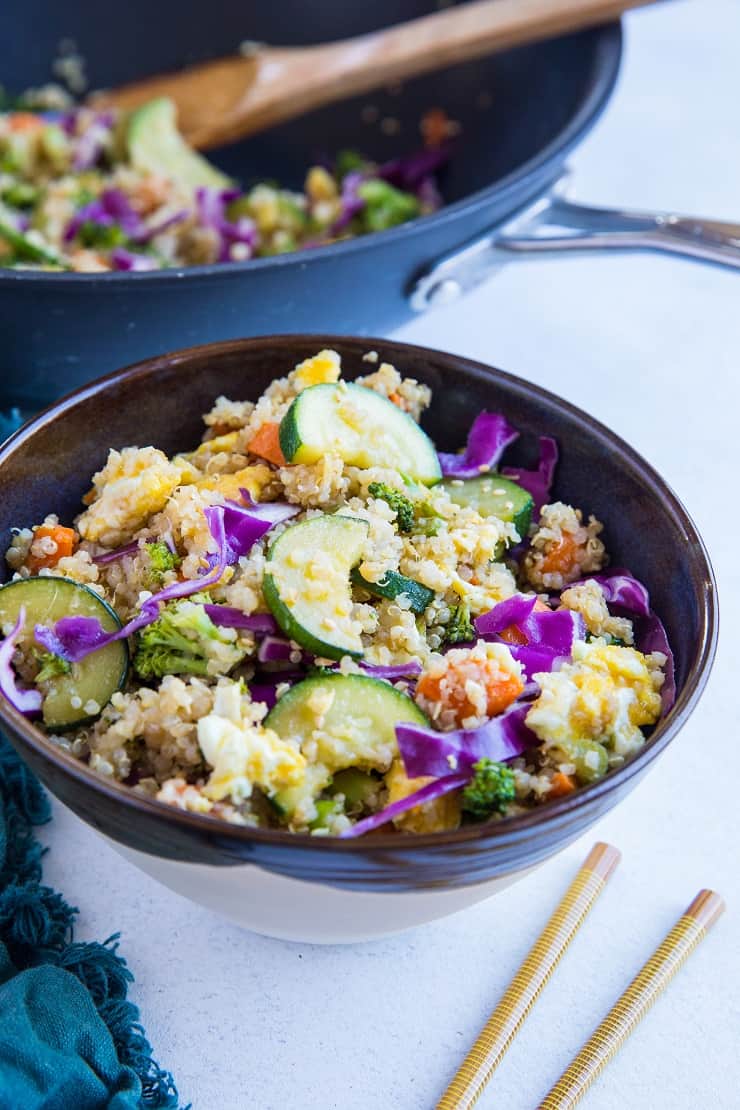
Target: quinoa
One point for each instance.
(561, 526)
(82, 192)
(190, 727)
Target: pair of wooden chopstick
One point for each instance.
(518, 999)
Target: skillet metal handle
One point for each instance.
(554, 224)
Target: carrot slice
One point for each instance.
(561, 785)
(512, 635)
(560, 558)
(266, 443)
(24, 121)
(64, 538)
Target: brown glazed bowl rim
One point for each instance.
(511, 829)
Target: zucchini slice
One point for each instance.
(68, 697)
(307, 584)
(352, 718)
(155, 144)
(392, 584)
(359, 425)
(492, 495)
(24, 248)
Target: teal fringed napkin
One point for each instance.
(69, 1037)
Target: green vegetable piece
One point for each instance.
(155, 145)
(25, 248)
(401, 505)
(282, 242)
(589, 757)
(50, 666)
(315, 610)
(56, 146)
(489, 791)
(360, 712)
(21, 194)
(70, 690)
(360, 789)
(184, 640)
(492, 495)
(612, 641)
(460, 628)
(92, 234)
(326, 809)
(161, 560)
(364, 428)
(386, 206)
(348, 161)
(393, 584)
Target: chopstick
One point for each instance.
(516, 1002)
(631, 1007)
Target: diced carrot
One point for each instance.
(430, 686)
(449, 688)
(512, 635)
(64, 538)
(561, 785)
(561, 557)
(24, 121)
(266, 443)
(397, 399)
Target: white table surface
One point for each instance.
(652, 347)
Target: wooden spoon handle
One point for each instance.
(459, 34)
(227, 99)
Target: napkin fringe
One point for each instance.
(37, 927)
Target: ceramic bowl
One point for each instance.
(326, 889)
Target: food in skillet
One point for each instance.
(315, 621)
(91, 191)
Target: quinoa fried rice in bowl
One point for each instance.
(350, 616)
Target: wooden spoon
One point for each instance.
(229, 98)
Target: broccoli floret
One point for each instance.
(402, 506)
(460, 629)
(418, 517)
(101, 235)
(611, 641)
(184, 640)
(386, 206)
(428, 522)
(50, 666)
(161, 559)
(489, 791)
(347, 161)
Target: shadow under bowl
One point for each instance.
(327, 889)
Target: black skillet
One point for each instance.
(520, 114)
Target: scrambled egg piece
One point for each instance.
(323, 368)
(177, 792)
(607, 693)
(251, 478)
(134, 483)
(435, 816)
(241, 752)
